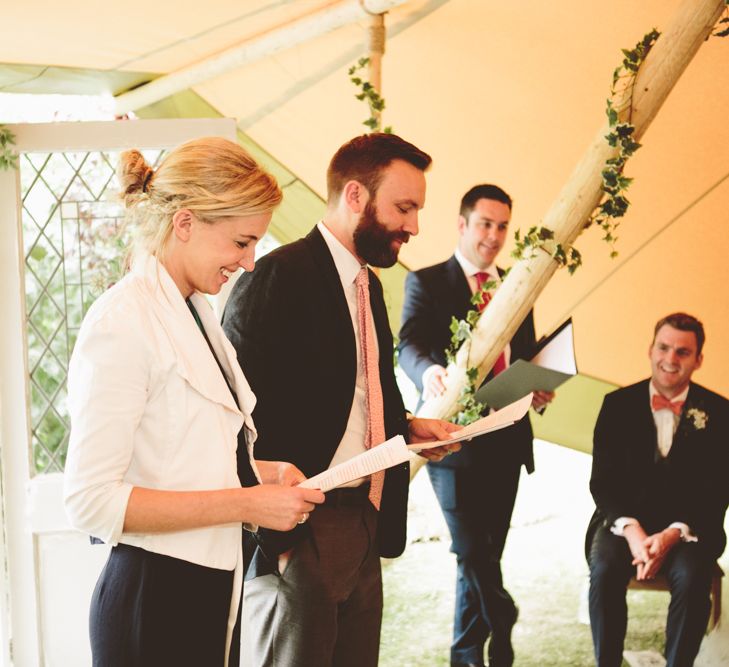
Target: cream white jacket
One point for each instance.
(149, 407)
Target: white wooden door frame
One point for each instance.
(32, 504)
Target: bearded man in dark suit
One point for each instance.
(310, 327)
(476, 488)
(659, 482)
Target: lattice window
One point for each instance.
(74, 246)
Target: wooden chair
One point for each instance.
(660, 584)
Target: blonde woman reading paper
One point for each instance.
(157, 399)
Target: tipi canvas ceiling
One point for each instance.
(496, 91)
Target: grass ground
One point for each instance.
(544, 569)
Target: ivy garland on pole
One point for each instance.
(613, 205)
(725, 20)
(8, 156)
(370, 94)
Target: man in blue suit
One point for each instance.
(476, 488)
(659, 471)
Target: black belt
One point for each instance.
(351, 495)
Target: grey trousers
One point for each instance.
(325, 609)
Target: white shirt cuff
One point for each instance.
(620, 523)
(686, 534)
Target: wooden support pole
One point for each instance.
(664, 64)
(278, 39)
(376, 47)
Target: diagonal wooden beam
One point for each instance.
(663, 66)
(273, 41)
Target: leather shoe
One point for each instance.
(500, 650)
(467, 664)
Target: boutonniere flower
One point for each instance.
(698, 417)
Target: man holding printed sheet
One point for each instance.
(311, 326)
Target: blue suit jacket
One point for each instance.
(433, 296)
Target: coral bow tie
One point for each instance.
(659, 402)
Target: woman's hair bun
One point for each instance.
(134, 175)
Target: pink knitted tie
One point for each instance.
(481, 278)
(375, 410)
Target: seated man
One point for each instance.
(659, 482)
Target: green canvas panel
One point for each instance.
(570, 418)
(393, 285)
(41, 79)
(300, 210)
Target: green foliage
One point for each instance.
(542, 238)
(614, 203)
(724, 20)
(369, 94)
(469, 408)
(8, 156)
(461, 330)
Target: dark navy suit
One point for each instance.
(476, 487)
(630, 479)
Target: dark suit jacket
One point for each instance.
(432, 297)
(289, 323)
(690, 485)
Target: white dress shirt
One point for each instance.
(150, 408)
(666, 424)
(353, 440)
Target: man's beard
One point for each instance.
(373, 241)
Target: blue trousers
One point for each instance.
(688, 569)
(477, 503)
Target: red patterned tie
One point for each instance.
(481, 278)
(659, 402)
(375, 409)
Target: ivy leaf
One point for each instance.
(612, 115)
(472, 317)
(629, 147)
(609, 177)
